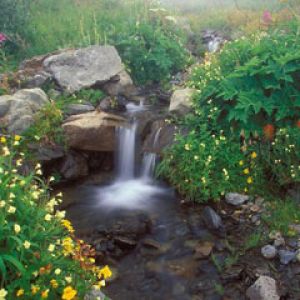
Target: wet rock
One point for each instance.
(268, 251)
(76, 109)
(212, 220)
(150, 243)
(181, 101)
(94, 131)
(233, 274)
(47, 153)
(236, 199)
(125, 243)
(74, 166)
(203, 250)
(264, 288)
(112, 105)
(286, 256)
(74, 70)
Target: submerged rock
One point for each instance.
(264, 288)
(212, 220)
(268, 251)
(236, 199)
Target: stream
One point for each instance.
(157, 246)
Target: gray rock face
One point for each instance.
(286, 256)
(17, 111)
(83, 68)
(268, 251)
(264, 288)
(181, 101)
(76, 109)
(236, 199)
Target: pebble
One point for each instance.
(236, 199)
(279, 242)
(286, 256)
(268, 251)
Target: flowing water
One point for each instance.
(137, 226)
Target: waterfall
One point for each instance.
(149, 160)
(126, 152)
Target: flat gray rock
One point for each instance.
(264, 288)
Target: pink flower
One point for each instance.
(267, 17)
(3, 37)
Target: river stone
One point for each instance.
(181, 101)
(17, 111)
(212, 220)
(124, 242)
(236, 199)
(203, 250)
(94, 131)
(286, 256)
(268, 251)
(264, 288)
(74, 70)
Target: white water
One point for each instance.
(149, 160)
(128, 191)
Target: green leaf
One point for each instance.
(14, 262)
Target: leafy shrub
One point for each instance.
(204, 166)
(47, 126)
(281, 156)
(151, 53)
(40, 257)
(253, 81)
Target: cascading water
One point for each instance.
(149, 160)
(129, 191)
(126, 151)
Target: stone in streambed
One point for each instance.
(236, 199)
(212, 220)
(268, 251)
(264, 288)
(125, 243)
(203, 250)
(286, 256)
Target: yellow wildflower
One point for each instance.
(54, 283)
(3, 294)
(26, 245)
(69, 293)
(105, 272)
(20, 293)
(3, 139)
(246, 171)
(67, 224)
(57, 271)
(17, 138)
(68, 246)
(17, 228)
(44, 294)
(34, 289)
(249, 180)
(253, 155)
(241, 163)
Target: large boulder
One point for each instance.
(93, 131)
(181, 101)
(74, 70)
(17, 111)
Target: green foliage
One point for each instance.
(281, 157)
(253, 81)
(39, 255)
(47, 126)
(281, 214)
(253, 241)
(152, 53)
(204, 166)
